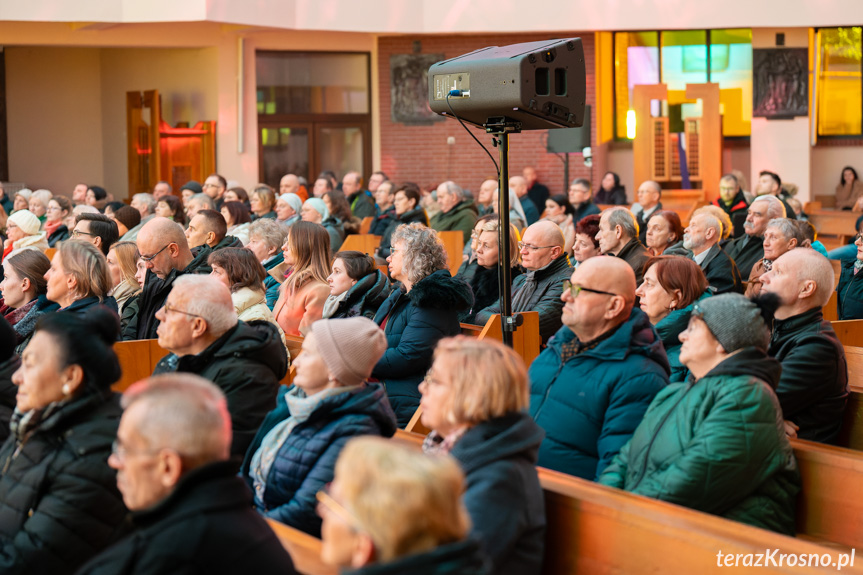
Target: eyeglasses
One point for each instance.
(574, 289)
(524, 246)
(152, 257)
(119, 451)
(168, 309)
(79, 233)
(326, 500)
(429, 381)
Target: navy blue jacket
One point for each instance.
(364, 297)
(271, 284)
(503, 495)
(306, 460)
(590, 406)
(416, 321)
(849, 300)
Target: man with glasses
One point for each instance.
(97, 229)
(590, 387)
(539, 289)
(733, 202)
(581, 198)
(618, 236)
(171, 457)
(199, 326)
(215, 186)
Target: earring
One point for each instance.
(66, 389)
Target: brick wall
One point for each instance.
(421, 153)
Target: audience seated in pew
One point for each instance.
(424, 528)
(780, 236)
(122, 262)
(618, 236)
(59, 504)
(190, 511)
(671, 286)
(23, 231)
(748, 249)
(78, 279)
(594, 381)
(702, 237)
(423, 308)
(357, 287)
(406, 202)
(199, 326)
(266, 238)
(206, 234)
(457, 212)
(716, 443)
(813, 387)
(10, 362)
(850, 290)
(315, 212)
(474, 401)
(538, 289)
(484, 281)
(97, 229)
(664, 231)
(23, 288)
(733, 202)
(469, 266)
(294, 452)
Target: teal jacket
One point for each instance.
(669, 329)
(716, 445)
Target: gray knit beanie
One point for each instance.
(350, 347)
(734, 321)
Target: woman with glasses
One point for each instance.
(23, 288)
(59, 504)
(78, 279)
(58, 209)
(422, 308)
(23, 231)
(293, 455)
(850, 290)
(424, 528)
(475, 399)
(484, 282)
(671, 286)
(716, 443)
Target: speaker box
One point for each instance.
(570, 140)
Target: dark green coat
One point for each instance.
(461, 218)
(716, 445)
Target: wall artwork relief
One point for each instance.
(409, 88)
(780, 78)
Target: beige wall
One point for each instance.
(827, 164)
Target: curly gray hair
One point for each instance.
(424, 252)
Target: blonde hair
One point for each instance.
(514, 238)
(87, 264)
(127, 258)
(488, 379)
(406, 501)
(310, 245)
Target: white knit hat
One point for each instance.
(27, 221)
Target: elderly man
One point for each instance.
(290, 184)
(485, 198)
(190, 511)
(618, 236)
(782, 235)
(384, 198)
(747, 250)
(649, 195)
(537, 192)
(215, 187)
(732, 201)
(456, 212)
(702, 238)
(590, 388)
(375, 180)
(199, 326)
(361, 202)
(197, 203)
(539, 289)
(160, 190)
(146, 206)
(98, 229)
(581, 198)
(813, 386)
(166, 254)
(770, 184)
(519, 186)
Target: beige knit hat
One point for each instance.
(350, 347)
(27, 221)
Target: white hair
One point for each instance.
(775, 207)
(210, 299)
(147, 200)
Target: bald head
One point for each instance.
(606, 298)
(542, 243)
(519, 185)
(164, 243)
(612, 275)
(289, 184)
(802, 278)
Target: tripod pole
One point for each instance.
(504, 255)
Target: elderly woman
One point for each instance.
(484, 282)
(663, 231)
(38, 204)
(294, 453)
(288, 208)
(59, 504)
(716, 443)
(305, 289)
(262, 200)
(23, 288)
(357, 287)
(171, 207)
(243, 274)
(423, 308)
(849, 292)
(122, 263)
(560, 211)
(671, 286)
(78, 279)
(475, 399)
(315, 211)
(425, 527)
(406, 202)
(56, 231)
(586, 245)
(22, 200)
(781, 235)
(23, 232)
(266, 238)
(238, 220)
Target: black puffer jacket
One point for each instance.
(247, 363)
(415, 322)
(59, 235)
(155, 293)
(486, 289)
(8, 393)
(59, 504)
(416, 215)
(365, 297)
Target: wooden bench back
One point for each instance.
(49, 252)
(366, 224)
(304, 549)
(835, 227)
(849, 331)
(454, 244)
(851, 435)
(364, 243)
(138, 359)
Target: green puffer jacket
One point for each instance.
(717, 445)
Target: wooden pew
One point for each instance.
(835, 227)
(849, 332)
(49, 252)
(365, 243)
(454, 244)
(304, 549)
(366, 224)
(830, 309)
(851, 435)
(138, 359)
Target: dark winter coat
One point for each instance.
(270, 283)
(129, 318)
(503, 494)
(721, 272)
(736, 210)
(25, 326)
(642, 223)
(849, 300)
(415, 322)
(616, 197)
(201, 254)
(382, 222)
(486, 290)
(545, 299)
(336, 229)
(590, 405)
(365, 297)
(362, 204)
(636, 255)
(461, 218)
(155, 292)
(416, 215)
(531, 212)
(247, 363)
(61, 234)
(306, 461)
(813, 387)
(745, 251)
(462, 558)
(59, 504)
(588, 208)
(205, 526)
(717, 445)
(8, 393)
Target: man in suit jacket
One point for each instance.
(649, 195)
(702, 237)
